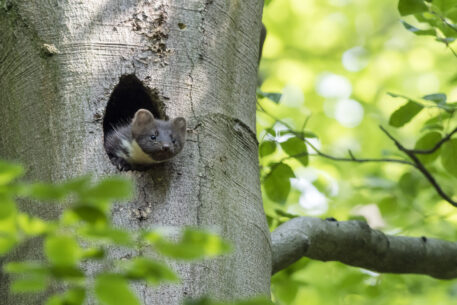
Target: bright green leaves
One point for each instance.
(277, 182)
(193, 244)
(410, 7)
(112, 289)
(427, 142)
(114, 188)
(62, 250)
(405, 113)
(9, 172)
(74, 296)
(296, 148)
(207, 301)
(449, 156)
(84, 233)
(152, 271)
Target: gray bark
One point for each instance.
(59, 62)
(355, 243)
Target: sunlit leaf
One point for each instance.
(296, 148)
(426, 142)
(152, 271)
(410, 7)
(7, 207)
(114, 188)
(405, 113)
(110, 235)
(193, 244)
(35, 283)
(93, 253)
(449, 156)
(74, 296)
(32, 225)
(277, 182)
(7, 242)
(62, 250)
(44, 191)
(112, 289)
(26, 268)
(9, 171)
(77, 185)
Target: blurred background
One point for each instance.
(334, 63)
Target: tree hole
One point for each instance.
(128, 96)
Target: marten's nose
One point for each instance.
(166, 147)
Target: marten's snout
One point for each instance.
(166, 147)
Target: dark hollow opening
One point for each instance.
(128, 96)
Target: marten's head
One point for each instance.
(160, 140)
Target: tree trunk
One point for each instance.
(60, 63)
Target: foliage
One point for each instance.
(82, 235)
(333, 72)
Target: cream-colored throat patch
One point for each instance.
(137, 155)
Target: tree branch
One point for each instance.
(421, 168)
(437, 145)
(355, 243)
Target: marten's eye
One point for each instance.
(153, 137)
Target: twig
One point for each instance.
(437, 145)
(421, 168)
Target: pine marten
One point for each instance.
(145, 141)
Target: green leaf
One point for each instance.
(74, 296)
(405, 113)
(193, 244)
(152, 271)
(410, 7)
(44, 191)
(25, 267)
(90, 214)
(114, 188)
(62, 250)
(267, 148)
(78, 185)
(426, 142)
(112, 289)
(66, 272)
(7, 207)
(444, 5)
(9, 171)
(449, 156)
(277, 182)
(110, 235)
(32, 226)
(93, 253)
(7, 242)
(35, 283)
(439, 98)
(417, 31)
(295, 146)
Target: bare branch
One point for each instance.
(355, 243)
(418, 164)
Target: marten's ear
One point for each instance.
(142, 122)
(179, 125)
